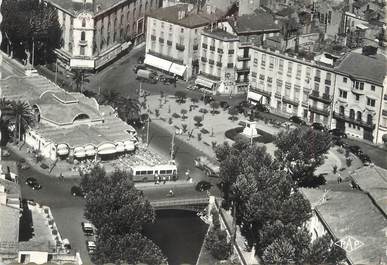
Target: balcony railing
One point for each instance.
(161, 40)
(317, 79)
(243, 69)
(328, 82)
(290, 101)
(83, 42)
(325, 98)
(260, 91)
(349, 119)
(324, 112)
(384, 112)
(357, 91)
(218, 64)
(244, 58)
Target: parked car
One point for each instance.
(318, 126)
(138, 67)
(297, 120)
(77, 191)
(33, 183)
(87, 228)
(203, 186)
(337, 133)
(91, 246)
(365, 159)
(355, 149)
(224, 105)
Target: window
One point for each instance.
(182, 30)
(343, 94)
(263, 61)
(83, 23)
(269, 79)
(298, 74)
(255, 61)
(361, 86)
(83, 36)
(341, 110)
(170, 27)
(344, 80)
(82, 50)
(372, 88)
(327, 90)
(253, 74)
(357, 97)
(369, 118)
(371, 102)
(307, 75)
(290, 68)
(328, 76)
(352, 114)
(230, 65)
(262, 77)
(271, 62)
(281, 65)
(230, 51)
(358, 116)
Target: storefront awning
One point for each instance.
(178, 69)
(79, 152)
(63, 152)
(129, 146)
(120, 147)
(204, 82)
(107, 149)
(361, 26)
(157, 62)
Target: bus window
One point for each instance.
(174, 172)
(162, 172)
(150, 172)
(137, 173)
(169, 171)
(156, 172)
(143, 172)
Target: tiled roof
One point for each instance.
(371, 68)
(73, 7)
(259, 21)
(374, 181)
(192, 19)
(352, 213)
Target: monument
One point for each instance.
(250, 129)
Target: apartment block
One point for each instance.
(173, 37)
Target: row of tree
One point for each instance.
(263, 191)
(27, 24)
(118, 211)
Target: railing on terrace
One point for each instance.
(349, 119)
(260, 91)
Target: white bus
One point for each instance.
(163, 172)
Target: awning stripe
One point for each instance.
(204, 82)
(178, 69)
(157, 62)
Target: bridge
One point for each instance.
(196, 205)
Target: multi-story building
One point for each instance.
(360, 107)
(290, 85)
(173, 37)
(94, 32)
(218, 57)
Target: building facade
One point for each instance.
(290, 85)
(94, 32)
(173, 38)
(360, 98)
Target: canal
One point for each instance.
(179, 234)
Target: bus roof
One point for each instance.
(155, 167)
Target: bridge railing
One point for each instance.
(179, 202)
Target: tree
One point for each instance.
(280, 252)
(233, 112)
(214, 105)
(181, 96)
(128, 109)
(28, 24)
(119, 211)
(198, 120)
(22, 116)
(323, 251)
(183, 113)
(194, 99)
(5, 116)
(108, 97)
(301, 151)
(79, 78)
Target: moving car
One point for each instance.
(337, 133)
(318, 127)
(87, 228)
(355, 149)
(297, 120)
(77, 191)
(91, 246)
(33, 183)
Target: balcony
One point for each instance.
(243, 69)
(277, 95)
(169, 43)
(242, 82)
(357, 91)
(290, 101)
(317, 79)
(83, 42)
(212, 48)
(180, 47)
(244, 58)
(218, 64)
(385, 97)
(368, 125)
(260, 91)
(161, 40)
(384, 112)
(204, 46)
(328, 82)
(195, 47)
(324, 112)
(325, 98)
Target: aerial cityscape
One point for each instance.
(193, 132)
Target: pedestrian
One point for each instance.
(187, 174)
(171, 193)
(164, 180)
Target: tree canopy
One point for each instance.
(30, 21)
(269, 208)
(118, 211)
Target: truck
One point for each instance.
(146, 76)
(210, 168)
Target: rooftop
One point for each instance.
(253, 23)
(374, 181)
(99, 6)
(371, 68)
(182, 14)
(218, 33)
(9, 228)
(352, 213)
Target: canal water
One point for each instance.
(180, 235)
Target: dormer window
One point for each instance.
(83, 23)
